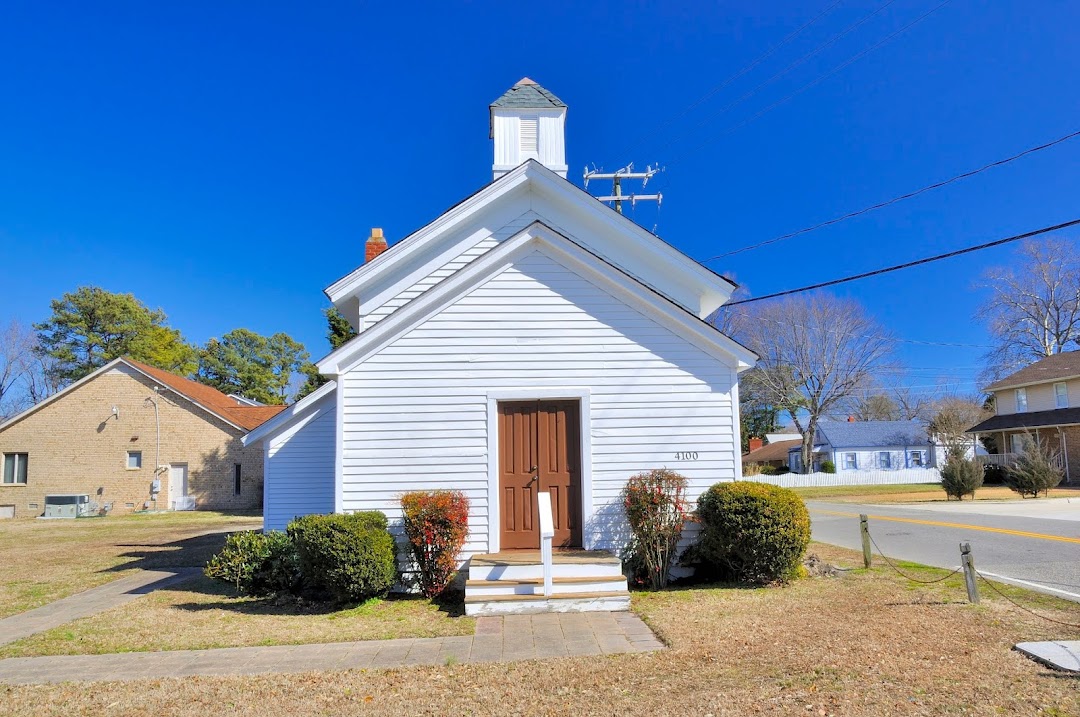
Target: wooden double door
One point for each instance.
(539, 450)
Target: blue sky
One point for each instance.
(225, 162)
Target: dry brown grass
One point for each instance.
(202, 613)
(44, 560)
(867, 643)
(917, 493)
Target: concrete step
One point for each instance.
(535, 586)
(486, 569)
(607, 601)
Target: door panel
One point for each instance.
(539, 450)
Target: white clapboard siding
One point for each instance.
(415, 413)
(374, 314)
(299, 474)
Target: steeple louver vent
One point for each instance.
(528, 122)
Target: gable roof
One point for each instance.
(1051, 368)
(242, 417)
(873, 434)
(630, 289)
(772, 452)
(526, 94)
(290, 414)
(649, 252)
(236, 411)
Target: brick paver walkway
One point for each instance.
(89, 602)
(497, 639)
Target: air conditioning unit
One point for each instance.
(67, 506)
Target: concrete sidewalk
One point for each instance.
(90, 602)
(497, 639)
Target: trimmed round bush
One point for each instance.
(750, 533)
(351, 557)
(828, 467)
(960, 477)
(257, 563)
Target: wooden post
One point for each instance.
(968, 561)
(864, 528)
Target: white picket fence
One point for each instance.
(903, 476)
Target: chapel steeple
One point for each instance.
(528, 122)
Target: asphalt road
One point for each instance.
(1033, 543)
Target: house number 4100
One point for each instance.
(686, 456)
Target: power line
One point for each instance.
(708, 95)
(902, 197)
(832, 40)
(908, 265)
(814, 82)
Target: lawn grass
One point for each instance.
(202, 613)
(44, 560)
(913, 493)
(866, 642)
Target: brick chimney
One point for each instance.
(755, 443)
(375, 245)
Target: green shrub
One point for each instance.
(655, 505)
(436, 524)
(1036, 470)
(750, 533)
(960, 477)
(350, 557)
(828, 467)
(257, 563)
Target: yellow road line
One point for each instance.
(1005, 531)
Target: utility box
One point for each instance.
(67, 506)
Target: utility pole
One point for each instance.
(616, 178)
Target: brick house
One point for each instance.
(133, 437)
(1041, 401)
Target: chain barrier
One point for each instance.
(902, 573)
(985, 579)
(998, 590)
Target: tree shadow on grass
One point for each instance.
(191, 552)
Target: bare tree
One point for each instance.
(877, 407)
(16, 354)
(953, 416)
(41, 379)
(1034, 308)
(817, 353)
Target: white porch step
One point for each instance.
(535, 586)
(482, 605)
(512, 582)
(525, 565)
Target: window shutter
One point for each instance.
(530, 131)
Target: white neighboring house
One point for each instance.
(529, 339)
(871, 445)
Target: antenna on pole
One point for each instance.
(627, 172)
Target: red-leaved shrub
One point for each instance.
(436, 524)
(656, 508)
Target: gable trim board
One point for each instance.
(104, 369)
(662, 263)
(538, 236)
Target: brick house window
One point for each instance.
(134, 460)
(1061, 395)
(236, 479)
(15, 468)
